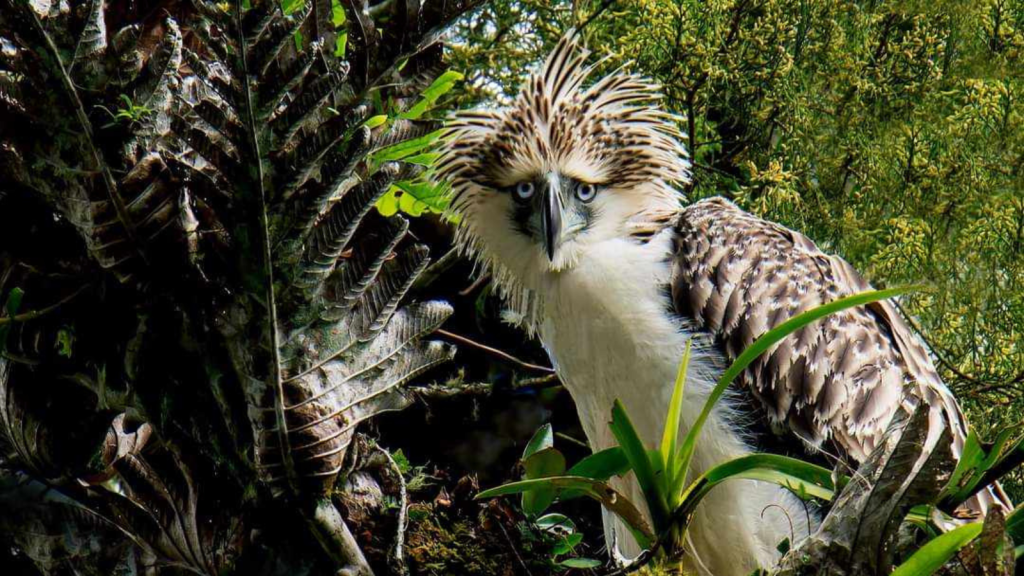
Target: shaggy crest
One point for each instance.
(611, 134)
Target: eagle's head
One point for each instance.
(565, 167)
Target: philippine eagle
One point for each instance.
(569, 198)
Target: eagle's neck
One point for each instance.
(609, 328)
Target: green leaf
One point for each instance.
(337, 13)
(340, 44)
(13, 303)
(581, 563)
(548, 462)
(414, 198)
(670, 435)
(406, 148)
(796, 475)
(424, 159)
(541, 460)
(640, 462)
(970, 457)
(401, 461)
(388, 203)
(934, 555)
(556, 524)
(65, 342)
(374, 121)
(289, 6)
(595, 489)
(766, 341)
(967, 483)
(542, 439)
(441, 85)
(1015, 525)
(567, 544)
(602, 465)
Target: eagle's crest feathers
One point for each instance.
(611, 133)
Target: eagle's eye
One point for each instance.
(585, 192)
(523, 191)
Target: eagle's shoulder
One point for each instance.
(840, 379)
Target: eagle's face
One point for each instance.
(563, 168)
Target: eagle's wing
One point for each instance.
(840, 379)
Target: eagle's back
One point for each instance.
(836, 383)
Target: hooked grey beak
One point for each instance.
(551, 215)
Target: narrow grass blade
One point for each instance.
(669, 437)
(803, 478)
(766, 341)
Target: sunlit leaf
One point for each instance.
(670, 435)
(406, 148)
(441, 85)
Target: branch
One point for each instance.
(26, 316)
(455, 389)
(494, 351)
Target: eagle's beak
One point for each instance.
(551, 215)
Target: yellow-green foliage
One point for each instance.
(891, 133)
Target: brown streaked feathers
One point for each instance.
(841, 378)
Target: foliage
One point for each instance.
(890, 133)
(415, 196)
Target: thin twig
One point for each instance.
(460, 389)
(26, 316)
(476, 284)
(494, 351)
(546, 381)
(572, 440)
(514, 551)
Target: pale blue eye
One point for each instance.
(586, 192)
(524, 190)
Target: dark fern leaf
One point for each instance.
(239, 166)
